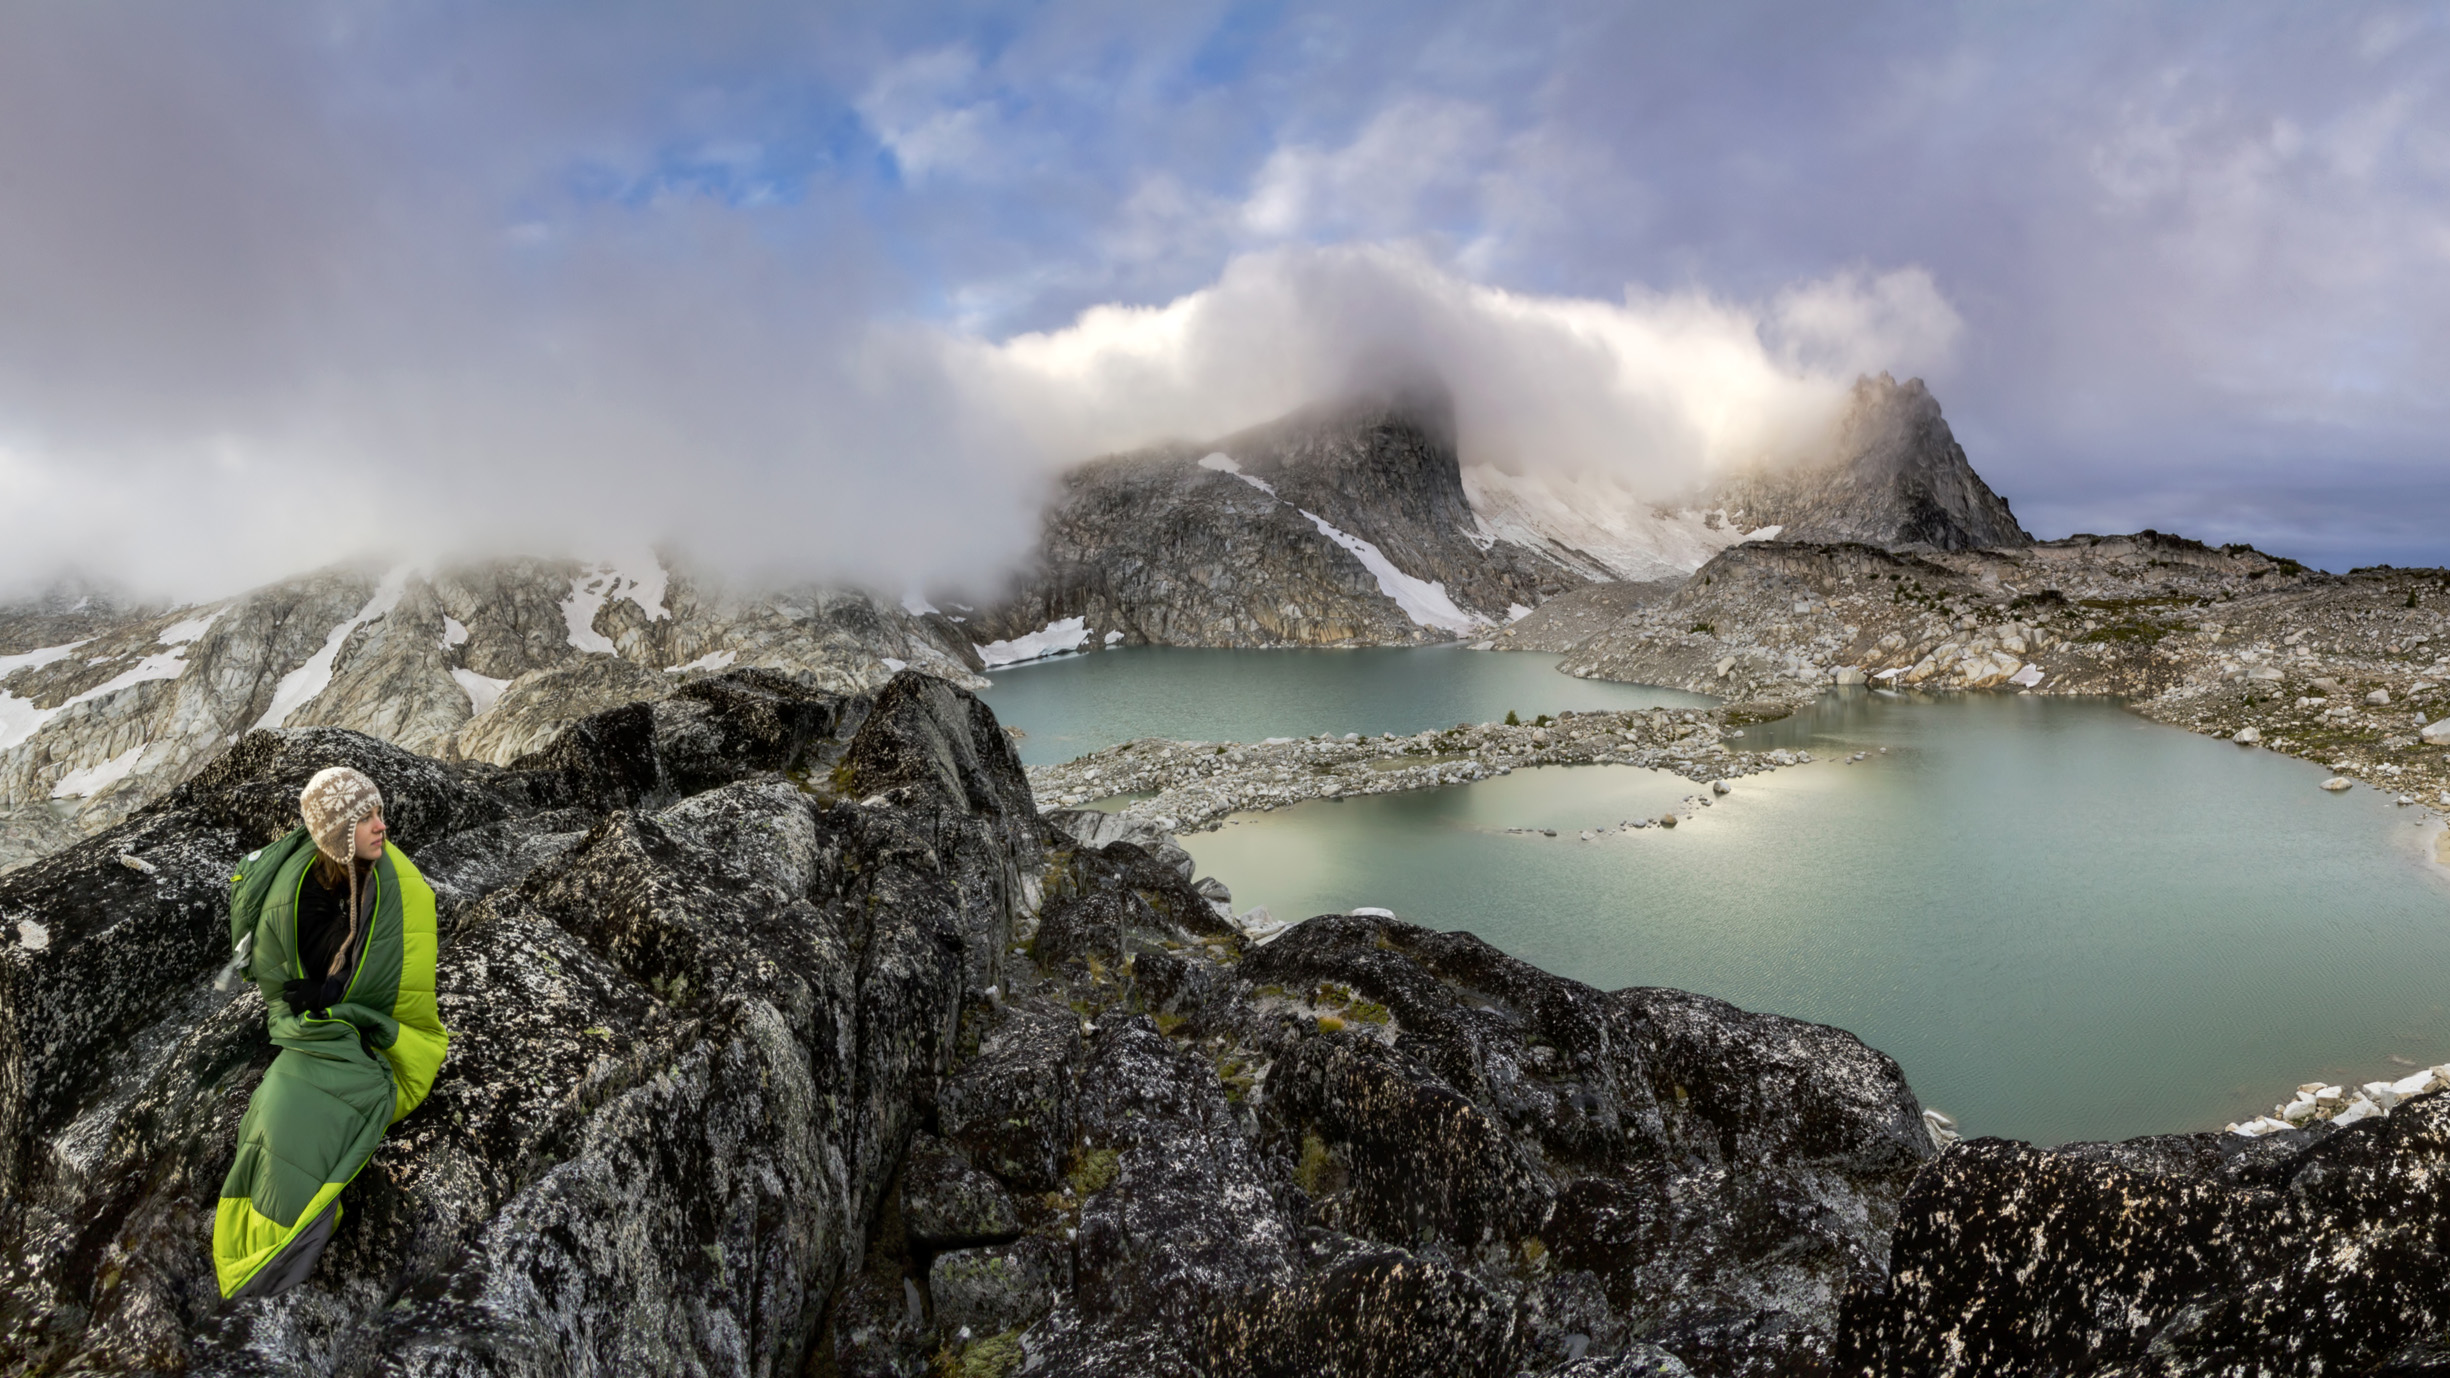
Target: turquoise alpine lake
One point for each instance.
(1075, 705)
(2064, 921)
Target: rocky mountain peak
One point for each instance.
(1343, 523)
(1379, 464)
(1895, 476)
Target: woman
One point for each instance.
(337, 929)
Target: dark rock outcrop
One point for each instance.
(696, 1012)
(2192, 1255)
(1895, 476)
(1369, 1148)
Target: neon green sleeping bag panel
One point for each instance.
(338, 1081)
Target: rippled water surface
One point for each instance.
(2064, 921)
(1076, 705)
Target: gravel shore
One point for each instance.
(1190, 786)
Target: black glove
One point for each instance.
(314, 996)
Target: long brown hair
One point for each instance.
(330, 874)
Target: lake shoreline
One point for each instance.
(1192, 786)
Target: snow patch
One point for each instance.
(1113, 637)
(19, 718)
(1423, 600)
(646, 590)
(915, 605)
(1594, 524)
(483, 690)
(35, 660)
(93, 779)
(1516, 612)
(33, 935)
(712, 660)
(606, 583)
(587, 598)
(453, 633)
(1224, 463)
(1054, 638)
(167, 665)
(896, 666)
(180, 633)
(300, 686)
(2028, 676)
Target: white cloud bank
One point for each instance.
(912, 454)
(257, 324)
(1657, 389)
(281, 292)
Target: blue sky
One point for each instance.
(511, 270)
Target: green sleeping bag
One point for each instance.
(338, 1081)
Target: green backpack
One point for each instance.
(249, 885)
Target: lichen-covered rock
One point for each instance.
(539, 705)
(2202, 1255)
(948, 1204)
(1635, 1361)
(1391, 1152)
(707, 733)
(922, 734)
(1078, 930)
(1724, 1177)
(878, 1326)
(1383, 1313)
(691, 1041)
(1011, 1107)
(994, 1288)
(1370, 1148)
(1178, 1219)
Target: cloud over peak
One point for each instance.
(1657, 388)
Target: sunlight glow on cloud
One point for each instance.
(1657, 389)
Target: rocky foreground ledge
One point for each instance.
(1194, 785)
(791, 1038)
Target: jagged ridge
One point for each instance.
(1895, 477)
(104, 708)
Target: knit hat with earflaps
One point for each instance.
(333, 804)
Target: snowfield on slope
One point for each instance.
(1054, 638)
(1594, 524)
(1423, 600)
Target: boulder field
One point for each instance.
(790, 1038)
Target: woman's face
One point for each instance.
(370, 836)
